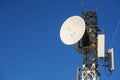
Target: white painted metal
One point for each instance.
(111, 59)
(78, 71)
(101, 45)
(89, 74)
(72, 30)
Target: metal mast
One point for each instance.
(83, 33)
(89, 47)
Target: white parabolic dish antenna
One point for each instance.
(72, 30)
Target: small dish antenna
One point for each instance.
(72, 30)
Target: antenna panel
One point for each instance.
(111, 59)
(72, 30)
(101, 45)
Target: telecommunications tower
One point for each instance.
(83, 33)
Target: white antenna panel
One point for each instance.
(72, 30)
(111, 59)
(101, 45)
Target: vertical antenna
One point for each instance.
(82, 7)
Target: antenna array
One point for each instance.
(83, 33)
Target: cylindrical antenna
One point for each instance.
(82, 7)
(78, 71)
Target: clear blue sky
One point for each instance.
(30, 46)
